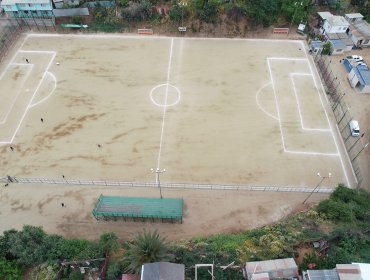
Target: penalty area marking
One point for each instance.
(166, 85)
(313, 153)
(260, 106)
(30, 67)
(53, 55)
(51, 92)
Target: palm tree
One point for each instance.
(147, 247)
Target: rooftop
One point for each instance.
(354, 15)
(338, 21)
(362, 27)
(325, 15)
(363, 74)
(323, 274)
(13, 2)
(163, 271)
(270, 265)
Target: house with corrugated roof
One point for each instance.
(273, 269)
(332, 24)
(335, 28)
(359, 30)
(359, 78)
(162, 271)
(354, 271)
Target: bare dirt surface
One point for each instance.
(223, 129)
(205, 212)
(232, 116)
(359, 105)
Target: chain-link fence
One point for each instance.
(65, 181)
(10, 30)
(354, 145)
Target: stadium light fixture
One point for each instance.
(158, 171)
(318, 185)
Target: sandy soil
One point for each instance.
(359, 105)
(205, 212)
(222, 128)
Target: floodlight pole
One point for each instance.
(158, 181)
(318, 185)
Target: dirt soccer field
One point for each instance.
(208, 111)
(216, 111)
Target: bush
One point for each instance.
(76, 19)
(176, 12)
(9, 270)
(336, 210)
(207, 11)
(235, 11)
(137, 11)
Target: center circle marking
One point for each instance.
(153, 93)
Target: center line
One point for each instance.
(165, 107)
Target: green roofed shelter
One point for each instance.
(138, 208)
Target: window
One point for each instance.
(34, 12)
(344, 28)
(9, 6)
(31, 5)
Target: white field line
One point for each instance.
(13, 58)
(299, 105)
(30, 67)
(327, 117)
(165, 107)
(279, 117)
(124, 36)
(34, 93)
(277, 105)
(258, 103)
(51, 92)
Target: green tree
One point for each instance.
(27, 246)
(9, 270)
(108, 243)
(137, 11)
(147, 247)
(326, 48)
(336, 210)
(206, 11)
(296, 11)
(236, 10)
(263, 12)
(177, 12)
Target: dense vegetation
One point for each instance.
(343, 221)
(195, 14)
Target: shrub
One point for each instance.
(137, 11)
(9, 270)
(206, 11)
(336, 210)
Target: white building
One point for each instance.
(359, 78)
(359, 30)
(332, 24)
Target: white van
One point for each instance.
(354, 128)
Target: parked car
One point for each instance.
(361, 63)
(354, 128)
(356, 58)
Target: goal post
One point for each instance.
(145, 31)
(280, 30)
